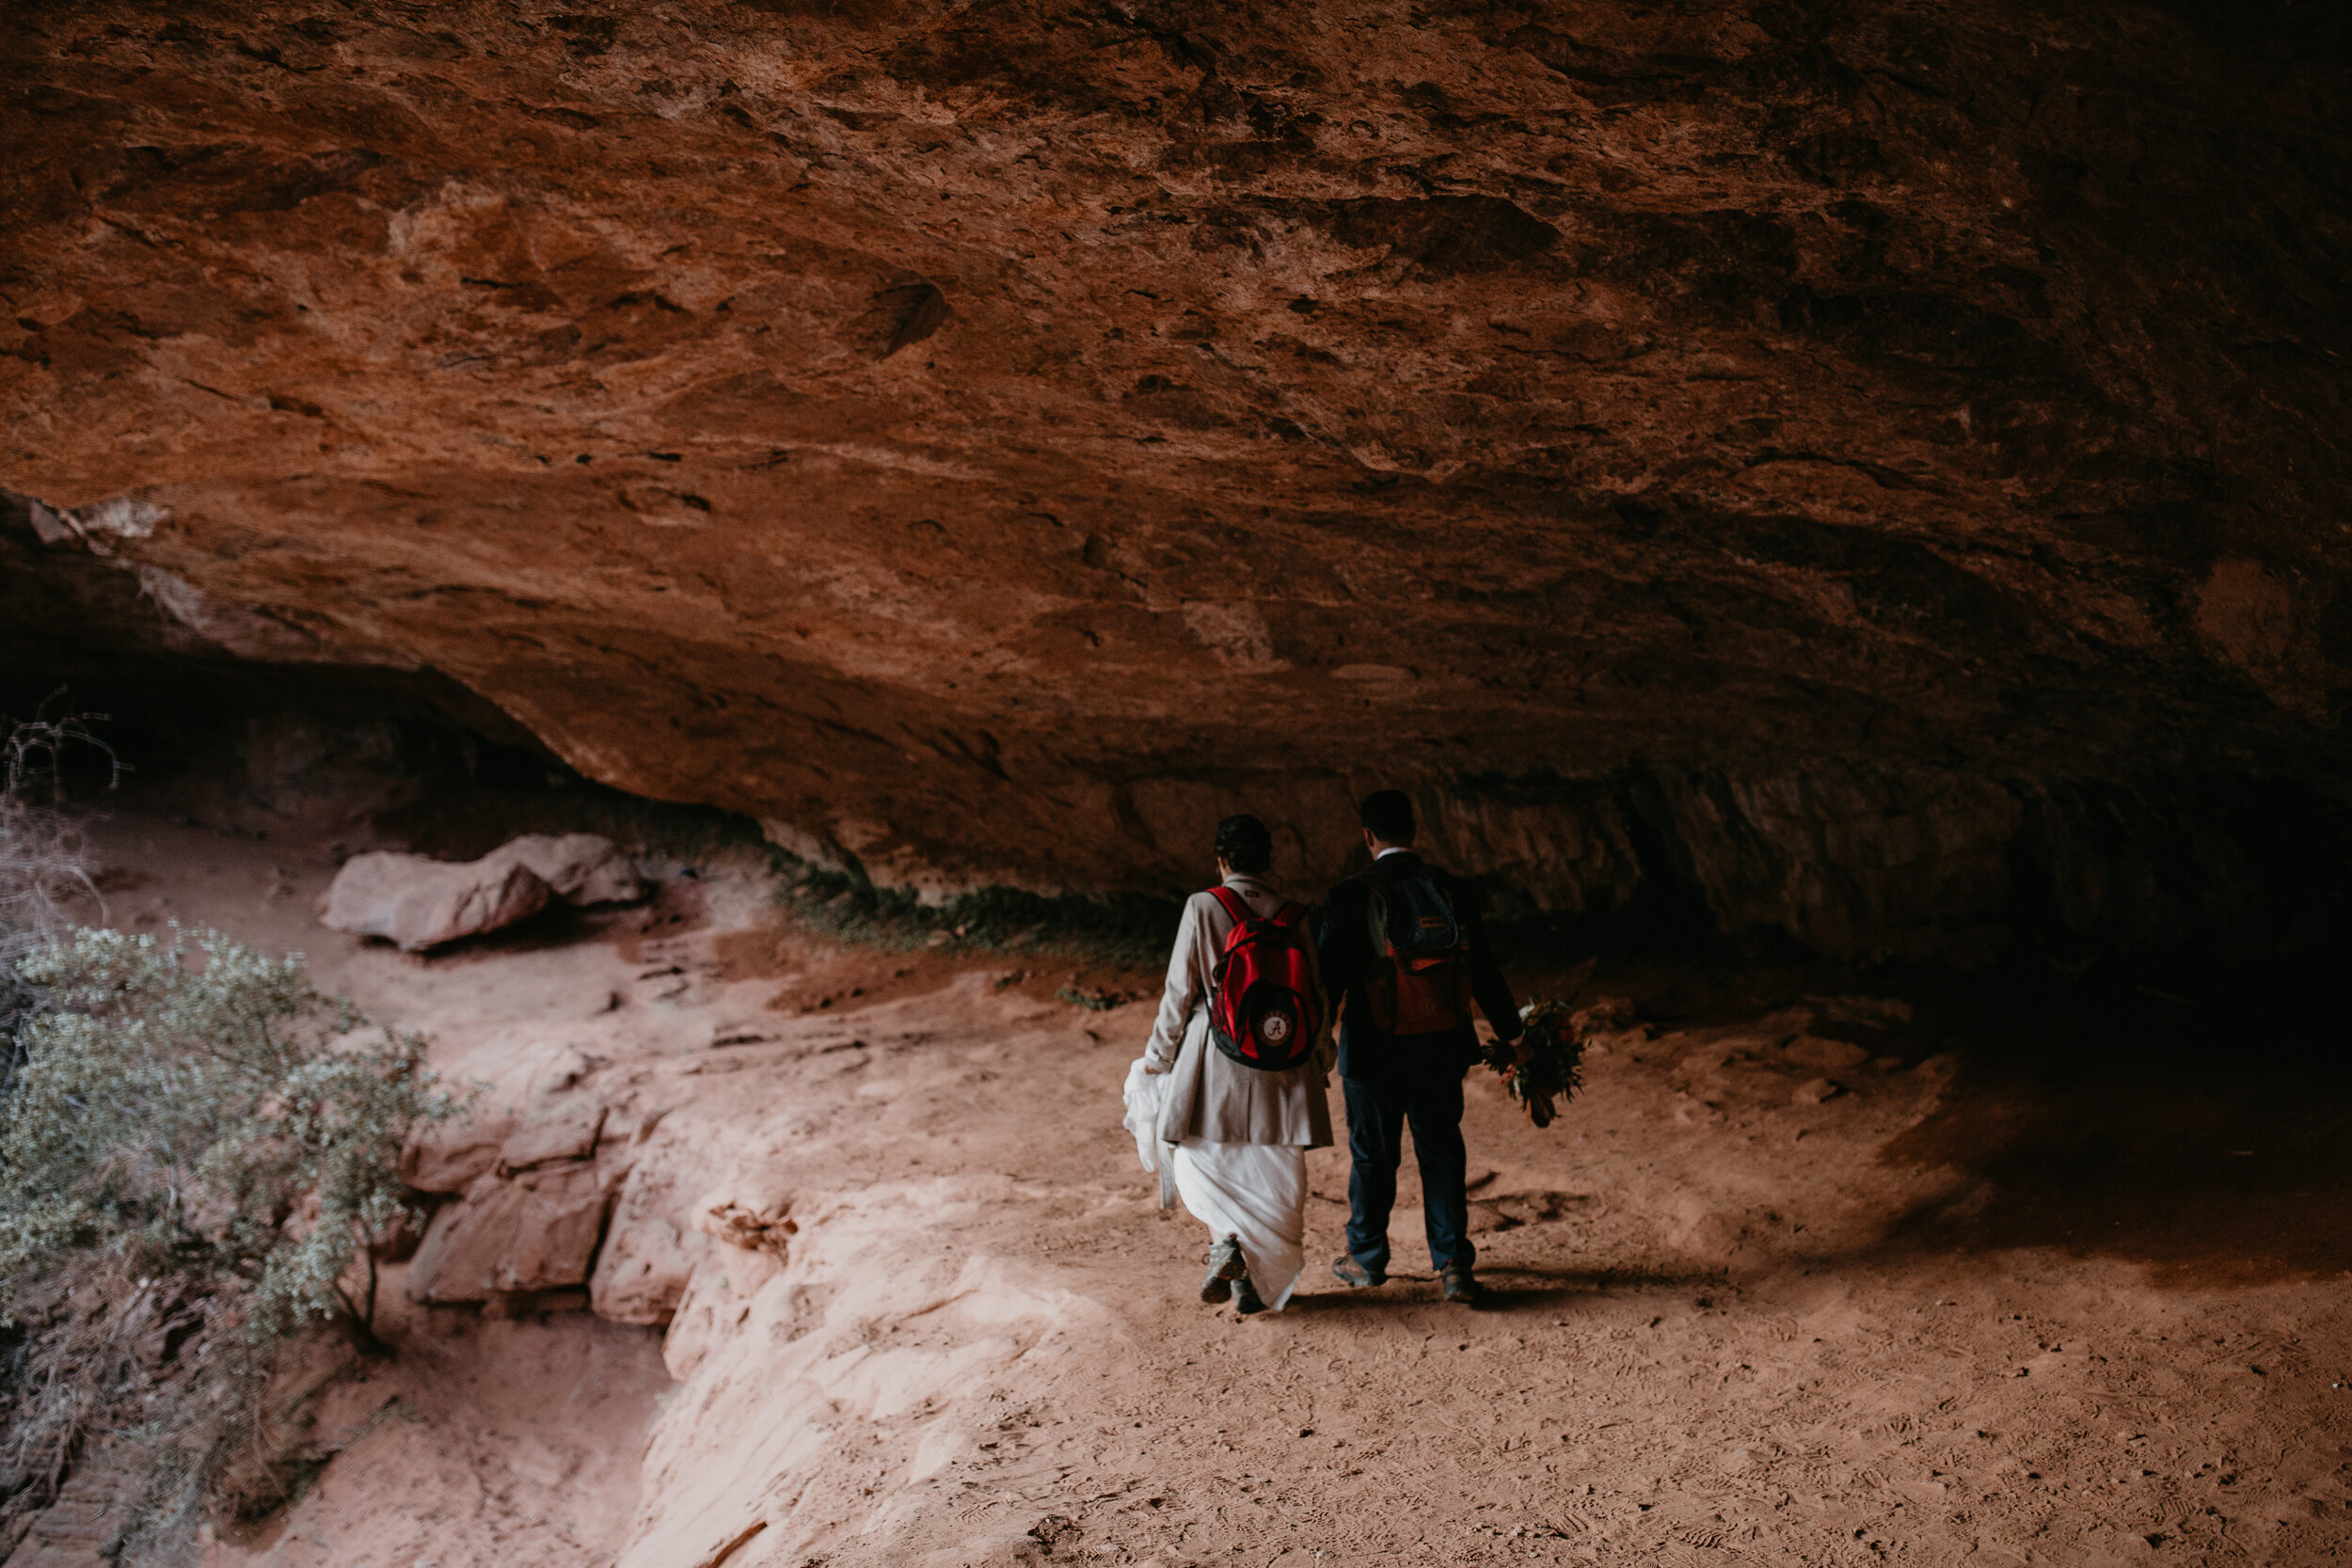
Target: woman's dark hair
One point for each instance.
(1387, 815)
(1242, 843)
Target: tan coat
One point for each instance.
(1211, 1095)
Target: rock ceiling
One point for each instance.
(988, 442)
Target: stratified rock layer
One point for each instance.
(1875, 471)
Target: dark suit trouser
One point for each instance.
(1428, 1101)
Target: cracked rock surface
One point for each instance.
(1694, 448)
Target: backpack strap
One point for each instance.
(1290, 914)
(1233, 903)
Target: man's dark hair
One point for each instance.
(1242, 843)
(1388, 816)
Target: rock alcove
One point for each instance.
(1872, 472)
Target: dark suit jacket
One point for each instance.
(1349, 959)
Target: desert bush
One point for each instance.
(195, 1155)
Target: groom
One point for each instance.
(1406, 1037)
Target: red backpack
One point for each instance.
(1422, 984)
(1263, 1011)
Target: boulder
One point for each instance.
(536, 1232)
(419, 903)
(579, 868)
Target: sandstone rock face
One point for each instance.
(564, 1131)
(647, 1259)
(535, 1232)
(449, 1157)
(537, 1160)
(1871, 473)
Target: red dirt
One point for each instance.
(1899, 1324)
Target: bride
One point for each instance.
(1239, 1133)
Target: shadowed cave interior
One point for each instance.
(1835, 513)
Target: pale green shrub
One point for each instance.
(211, 1138)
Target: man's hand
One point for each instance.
(1521, 1053)
(1149, 1069)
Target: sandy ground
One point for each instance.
(1966, 1307)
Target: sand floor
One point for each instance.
(1978, 1305)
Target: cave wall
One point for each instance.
(1876, 469)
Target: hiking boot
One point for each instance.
(1458, 1284)
(1246, 1299)
(1226, 1264)
(1354, 1274)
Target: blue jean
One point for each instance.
(1378, 1112)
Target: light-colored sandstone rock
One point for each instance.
(450, 1156)
(535, 1232)
(579, 868)
(643, 1269)
(418, 903)
(748, 1235)
(716, 1294)
(554, 1127)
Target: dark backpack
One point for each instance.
(1263, 1011)
(1421, 983)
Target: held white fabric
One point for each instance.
(1143, 1094)
(1254, 1192)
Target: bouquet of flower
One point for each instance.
(1554, 1063)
